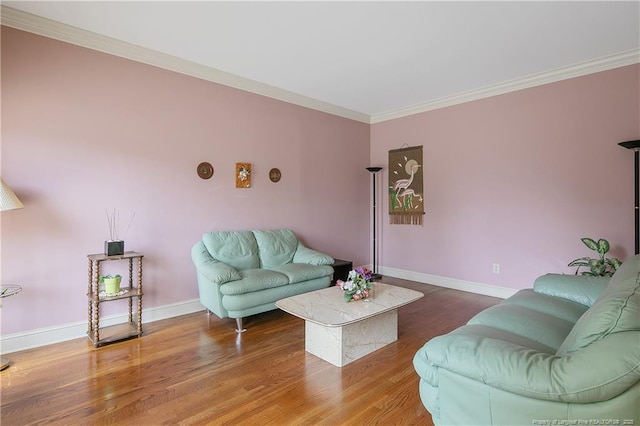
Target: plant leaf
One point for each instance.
(615, 263)
(603, 246)
(590, 243)
(583, 261)
(598, 267)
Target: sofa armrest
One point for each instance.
(214, 270)
(535, 374)
(577, 288)
(306, 255)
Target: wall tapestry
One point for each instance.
(406, 200)
(243, 175)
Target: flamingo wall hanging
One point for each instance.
(406, 197)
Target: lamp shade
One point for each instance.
(635, 145)
(8, 200)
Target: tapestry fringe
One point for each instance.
(405, 218)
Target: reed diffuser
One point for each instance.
(115, 246)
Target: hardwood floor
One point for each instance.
(196, 369)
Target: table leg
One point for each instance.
(4, 363)
(342, 345)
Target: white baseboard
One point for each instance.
(49, 335)
(471, 287)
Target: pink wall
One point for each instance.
(84, 131)
(517, 179)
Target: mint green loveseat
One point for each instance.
(566, 352)
(242, 273)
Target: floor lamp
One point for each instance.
(373, 171)
(635, 146)
(8, 201)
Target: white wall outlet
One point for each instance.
(496, 268)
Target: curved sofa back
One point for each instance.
(238, 249)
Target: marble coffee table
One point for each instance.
(341, 332)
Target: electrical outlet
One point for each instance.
(496, 268)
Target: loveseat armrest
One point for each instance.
(214, 270)
(577, 288)
(312, 257)
(528, 372)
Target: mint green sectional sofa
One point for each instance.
(565, 352)
(242, 273)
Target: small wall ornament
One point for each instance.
(205, 170)
(243, 175)
(275, 175)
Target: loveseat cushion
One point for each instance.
(312, 257)
(214, 270)
(616, 310)
(275, 247)
(254, 280)
(298, 272)
(237, 249)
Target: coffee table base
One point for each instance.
(342, 345)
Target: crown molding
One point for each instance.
(48, 28)
(605, 63)
(52, 29)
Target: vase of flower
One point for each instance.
(358, 286)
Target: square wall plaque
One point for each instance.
(243, 175)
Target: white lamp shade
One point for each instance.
(8, 200)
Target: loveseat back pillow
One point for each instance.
(276, 247)
(616, 310)
(235, 248)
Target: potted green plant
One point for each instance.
(600, 266)
(111, 283)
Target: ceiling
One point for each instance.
(365, 60)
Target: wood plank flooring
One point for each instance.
(196, 369)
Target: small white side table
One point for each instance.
(6, 291)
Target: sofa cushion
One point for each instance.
(276, 247)
(555, 306)
(254, 280)
(581, 289)
(545, 329)
(235, 248)
(616, 310)
(298, 272)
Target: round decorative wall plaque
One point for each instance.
(275, 175)
(205, 170)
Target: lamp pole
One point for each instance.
(373, 171)
(635, 146)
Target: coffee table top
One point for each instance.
(327, 306)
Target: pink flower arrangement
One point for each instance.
(358, 285)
